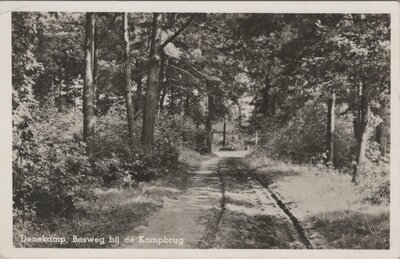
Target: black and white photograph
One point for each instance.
(204, 130)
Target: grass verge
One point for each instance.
(334, 212)
(353, 230)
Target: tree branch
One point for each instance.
(178, 31)
(73, 23)
(182, 88)
(186, 72)
(114, 66)
(202, 74)
(345, 111)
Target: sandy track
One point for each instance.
(252, 217)
(223, 206)
(186, 216)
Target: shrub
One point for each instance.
(114, 151)
(300, 138)
(112, 134)
(50, 170)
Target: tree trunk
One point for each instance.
(89, 119)
(355, 125)
(150, 106)
(363, 135)
(172, 105)
(210, 117)
(357, 114)
(331, 128)
(380, 136)
(128, 88)
(95, 68)
(187, 105)
(362, 143)
(162, 86)
(95, 52)
(52, 91)
(138, 99)
(272, 106)
(224, 134)
(265, 98)
(59, 95)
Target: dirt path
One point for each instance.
(183, 222)
(252, 217)
(224, 206)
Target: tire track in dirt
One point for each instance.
(249, 216)
(213, 228)
(186, 216)
(293, 219)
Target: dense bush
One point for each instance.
(344, 142)
(50, 170)
(112, 134)
(115, 155)
(301, 138)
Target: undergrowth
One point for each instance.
(113, 212)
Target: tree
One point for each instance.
(128, 87)
(155, 76)
(363, 130)
(151, 99)
(331, 128)
(89, 119)
(210, 116)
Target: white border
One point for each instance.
(6, 249)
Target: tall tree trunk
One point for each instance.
(138, 98)
(89, 119)
(53, 90)
(59, 95)
(210, 118)
(151, 100)
(187, 105)
(272, 106)
(357, 114)
(162, 85)
(224, 134)
(363, 135)
(265, 105)
(240, 118)
(331, 128)
(128, 88)
(172, 105)
(95, 53)
(380, 136)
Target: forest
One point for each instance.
(113, 112)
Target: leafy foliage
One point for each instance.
(270, 74)
(51, 171)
